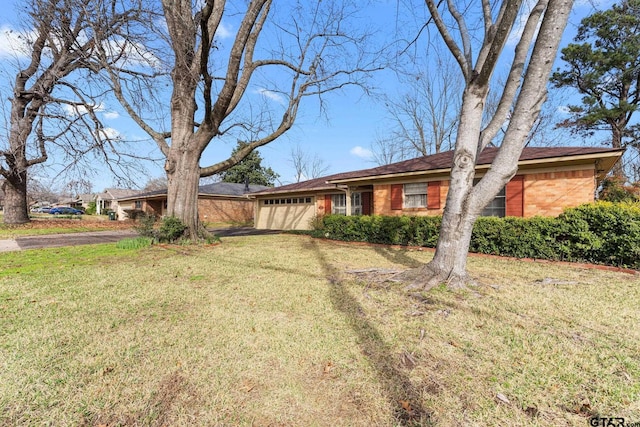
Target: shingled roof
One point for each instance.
(442, 162)
(219, 189)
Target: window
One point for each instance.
(288, 201)
(415, 195)
(138, 204)
(356, 204)
(339, 204)
(497, 206)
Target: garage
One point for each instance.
(285, 213)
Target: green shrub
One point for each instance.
(91, 208)
(145, 226)
(603, 233)
(516, 237)
(170, 230)
(614, 189)
(389, 230)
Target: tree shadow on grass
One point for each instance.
(397, 256)
(402, 395)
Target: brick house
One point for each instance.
(218, 202)
(549, 179)
(108, 201)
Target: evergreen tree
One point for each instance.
(249, 170)
(604, 66)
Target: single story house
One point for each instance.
(108, 201)
(549, 179)
(218, 202)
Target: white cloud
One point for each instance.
(361, 152)
(274, 96)
(110, 133)
(521, 22)
(79, 110)
(13, 43)
(224, 31)
(563, 109)
(135, 54)
(111, 115)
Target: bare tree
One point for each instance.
(53, 102)
(307, 165)
(158, 183)
(425, 115)
(77, 186)
(284, 55)
(521, 99)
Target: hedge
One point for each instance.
(603, 233)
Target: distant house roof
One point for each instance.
(87, 197)
(441, 163)
(117, 193)
(218, 189)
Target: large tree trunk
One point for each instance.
(183, 175)
(524, 93)
(16, 209)
(449, 263)
(616, 142)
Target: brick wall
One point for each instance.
(382, 202)
(548, 193)
(321, 207)
(215, 210)
(545, 194)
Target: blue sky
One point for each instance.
(342, 139)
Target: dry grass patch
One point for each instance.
(272, 330)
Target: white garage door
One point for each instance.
(289, 213)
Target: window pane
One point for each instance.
(416, 188)
(415, 201)
(415, 195)
(497, 207)
(339, 204)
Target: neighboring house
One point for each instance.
(107, 201)
(71, 202)
(218, 202)
(549, 179)
(83, 201)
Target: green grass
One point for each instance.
(49, 224)
(273, 330)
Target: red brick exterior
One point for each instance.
(548, 193)
(211, 210)
(436, 199)
(528, 194)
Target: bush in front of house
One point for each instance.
(388, 230)
(602, 233)
(170, 230)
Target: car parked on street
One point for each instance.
(64, 210)
(43, 209)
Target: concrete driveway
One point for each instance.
(94, 237)
(68, 239)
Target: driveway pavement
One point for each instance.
(68, 239)
(93, 237)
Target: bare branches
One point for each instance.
(460, 55)
(515, 76)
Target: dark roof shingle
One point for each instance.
(440, 161)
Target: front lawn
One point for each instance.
(49, 224)
(286, 330)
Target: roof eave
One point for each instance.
(606, 162)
